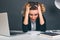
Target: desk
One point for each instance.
(29, 37)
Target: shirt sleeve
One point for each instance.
(43, 27)
(24, 27)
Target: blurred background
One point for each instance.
(14, 9)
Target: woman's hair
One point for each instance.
(34, 6)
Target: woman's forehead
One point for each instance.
(33, 11)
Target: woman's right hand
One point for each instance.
(28, 8)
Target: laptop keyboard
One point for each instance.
(15, 32)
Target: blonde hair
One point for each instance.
(43, 9)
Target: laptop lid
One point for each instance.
(4, 25)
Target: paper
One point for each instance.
(34, 33)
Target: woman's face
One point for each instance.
(33, 14)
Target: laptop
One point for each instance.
(4, 26)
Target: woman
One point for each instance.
(33, 19)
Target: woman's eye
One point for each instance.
(36, 14)
(30, 14)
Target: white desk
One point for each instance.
(25, 37)
(29, 37)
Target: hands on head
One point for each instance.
(28, 7)
(39, 8)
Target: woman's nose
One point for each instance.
(33, 17)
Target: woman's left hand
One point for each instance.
(39, 8)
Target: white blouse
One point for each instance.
(33, 26)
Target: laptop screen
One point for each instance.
(4, 25)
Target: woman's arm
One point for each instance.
(25, 22)
(41, 19)
(25, 19)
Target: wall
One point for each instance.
(14, 7)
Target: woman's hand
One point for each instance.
(39, 9)
(27, 8)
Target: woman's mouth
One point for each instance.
(33, 19)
